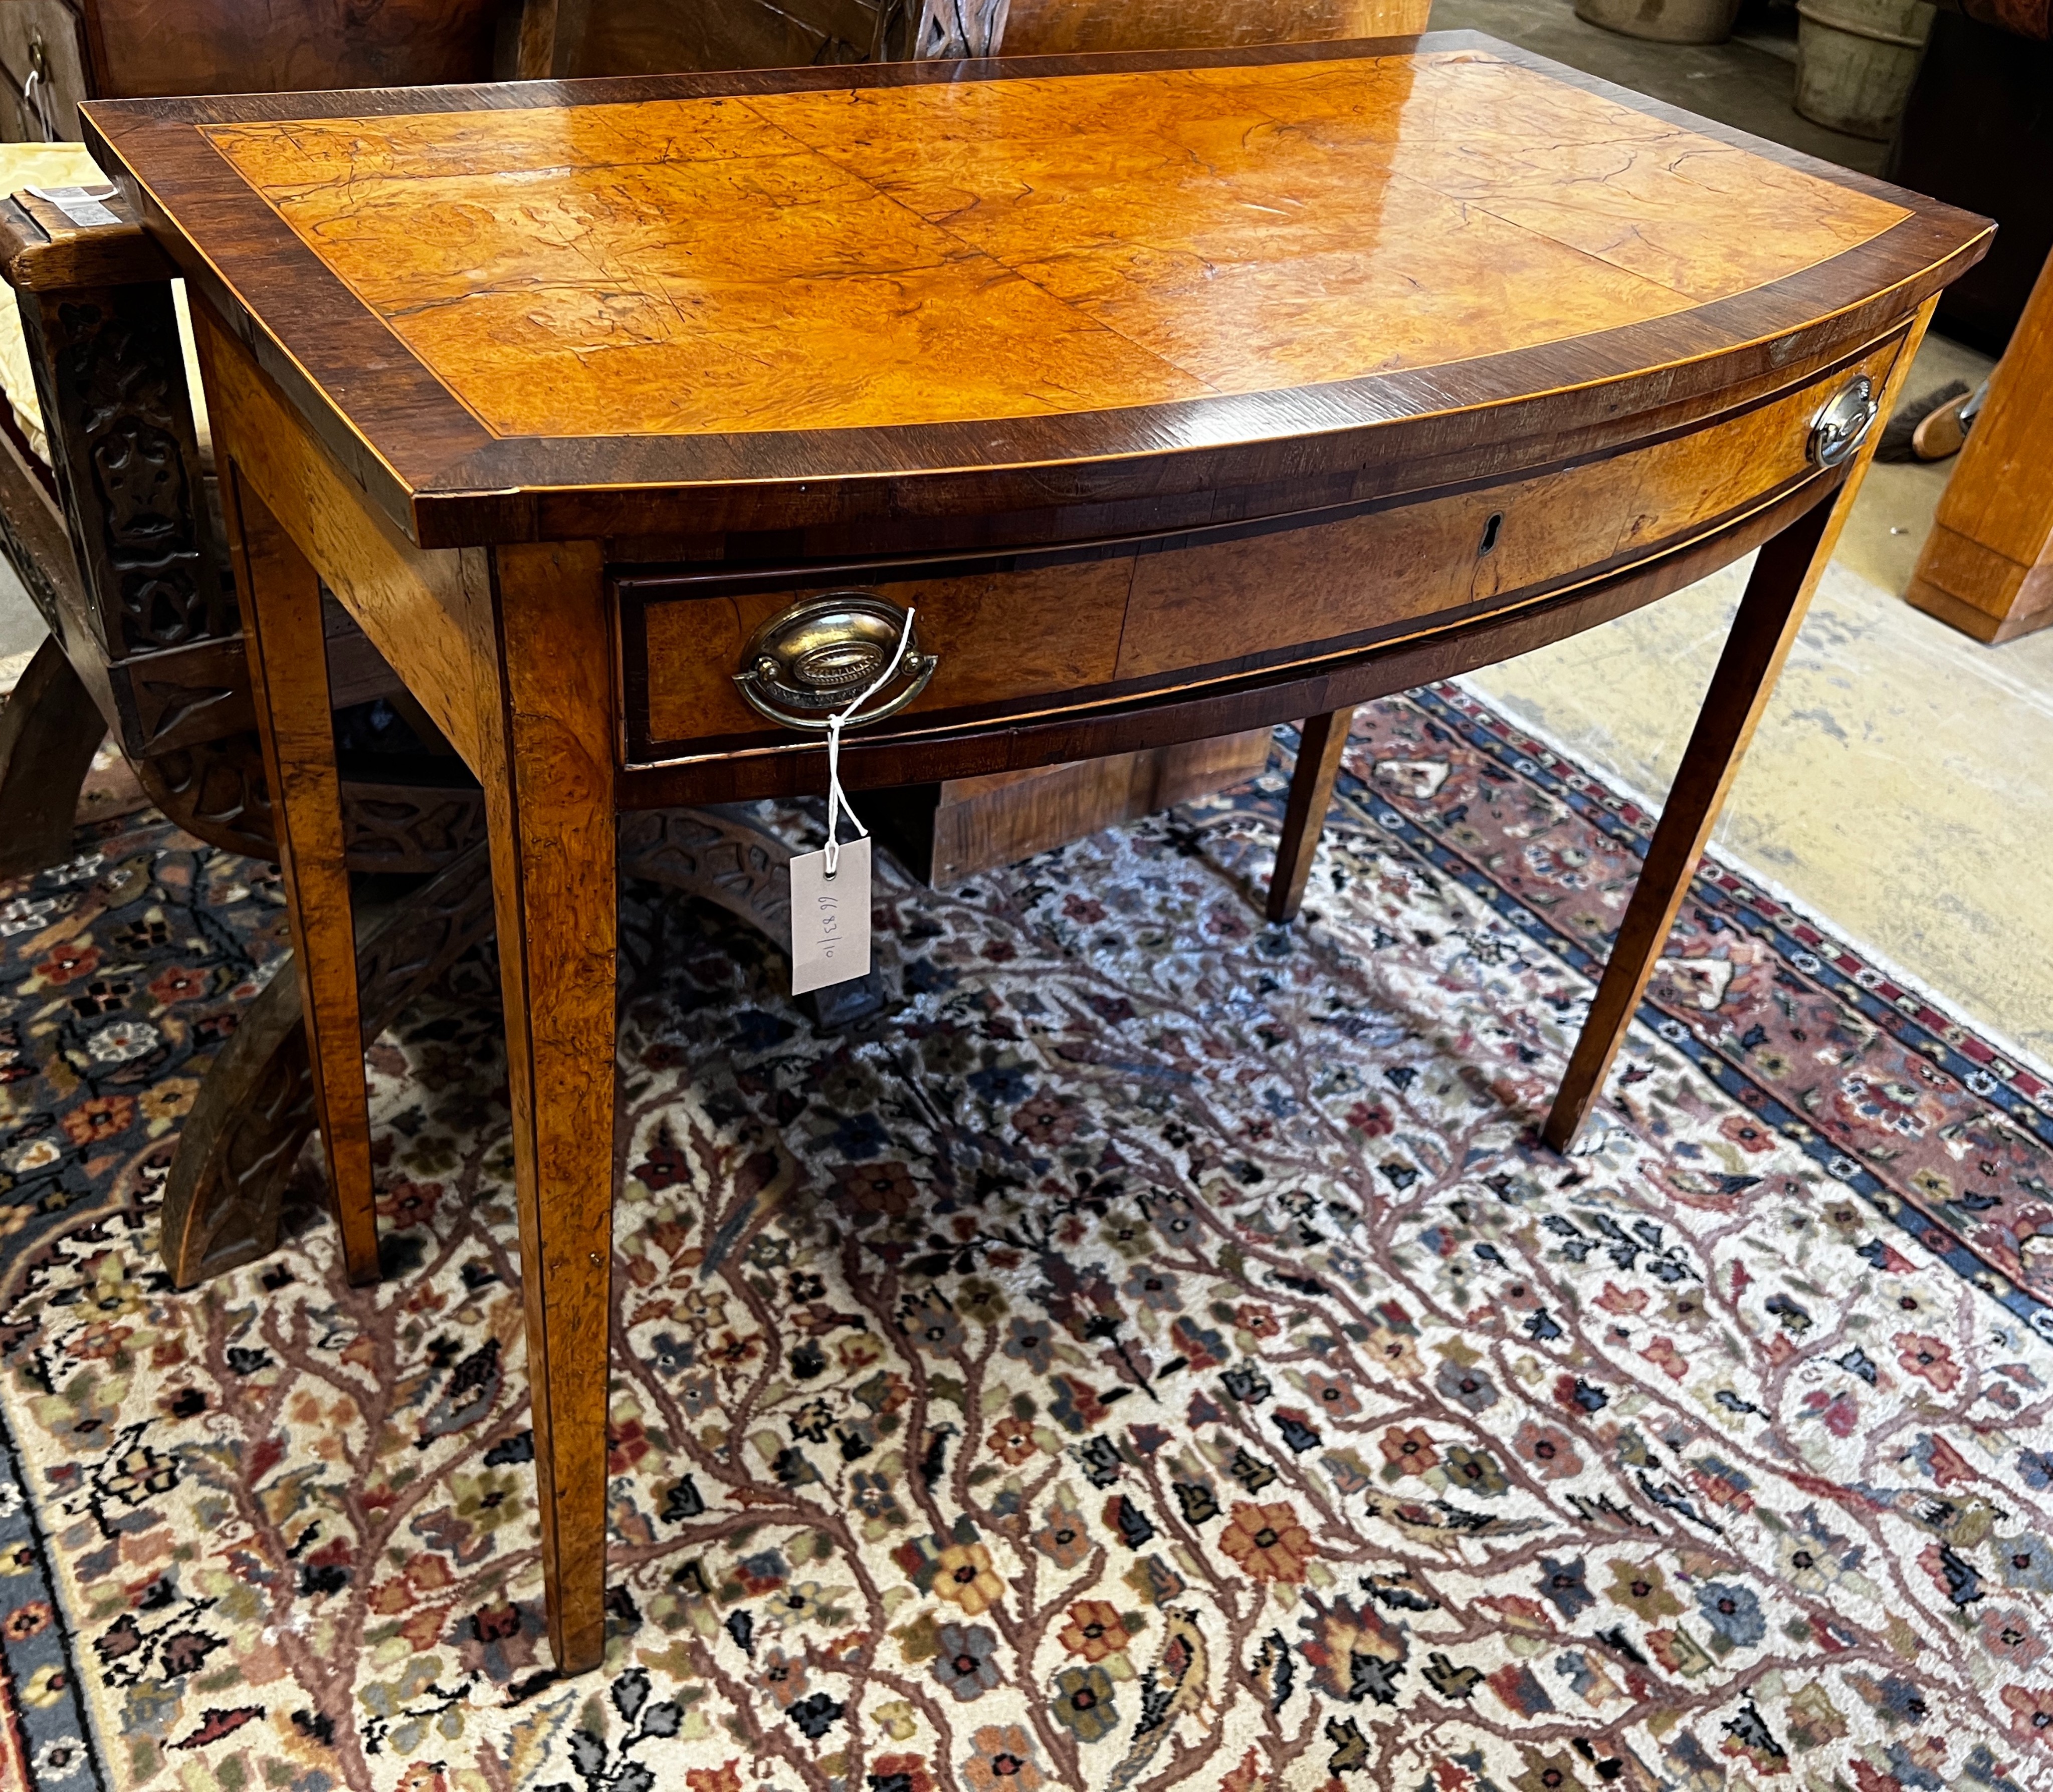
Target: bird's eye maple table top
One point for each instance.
(1177, 394)
(842, 274)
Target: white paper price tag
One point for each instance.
(83, 208)
(830, 917)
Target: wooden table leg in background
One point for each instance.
(50, 729)
(287, 646)
(1320, 742)
(554, 880)
(1785, 573)
(1986, 568)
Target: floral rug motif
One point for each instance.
(1159, 1355)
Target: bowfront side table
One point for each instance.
(1181, 395)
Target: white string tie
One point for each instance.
(837, 802)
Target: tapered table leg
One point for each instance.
(1769, 616)
(1785, 573)
(1321, 742)
(550, 802)
(287, 652)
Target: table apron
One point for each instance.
(1057, 736)
(1088, 633)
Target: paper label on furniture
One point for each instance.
(83, 209)
(830, 919)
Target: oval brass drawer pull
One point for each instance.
(1843, 425)
(820, 655)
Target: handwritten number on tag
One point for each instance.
(831, 918)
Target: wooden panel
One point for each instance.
(43, 38)
(1993, 597)
(415, 607)
(1386, 565)
(180, 697)
(636, 38)
(967, 826)
(146, 47)
(999, 635)
(941, 253)
(1980, 592)
(1987, 566)
(1050, 27)
(49, 731)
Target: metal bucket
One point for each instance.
(1663, 21)
(1855, 60)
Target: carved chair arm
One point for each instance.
(43, 251)
(143, 609)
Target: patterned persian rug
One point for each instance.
(1160, 1355)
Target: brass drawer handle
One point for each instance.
(1843, 425)
(821, 654)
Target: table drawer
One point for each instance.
(1029, 634)
(1002, 631)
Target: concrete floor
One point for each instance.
(1896, 787)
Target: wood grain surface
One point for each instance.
(289, 675)
(995, 249)
(1052, 27)
(796, 298)
(1987, 566)
(141, 47)
(414, 606)
(633, 37)
(1321, 742)
(548, 780)
(42, 250)
(948, 832)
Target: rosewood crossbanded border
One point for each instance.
(1180, 395)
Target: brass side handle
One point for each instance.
(1843, 425)
(816, 658)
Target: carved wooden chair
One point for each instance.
(110, 521)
